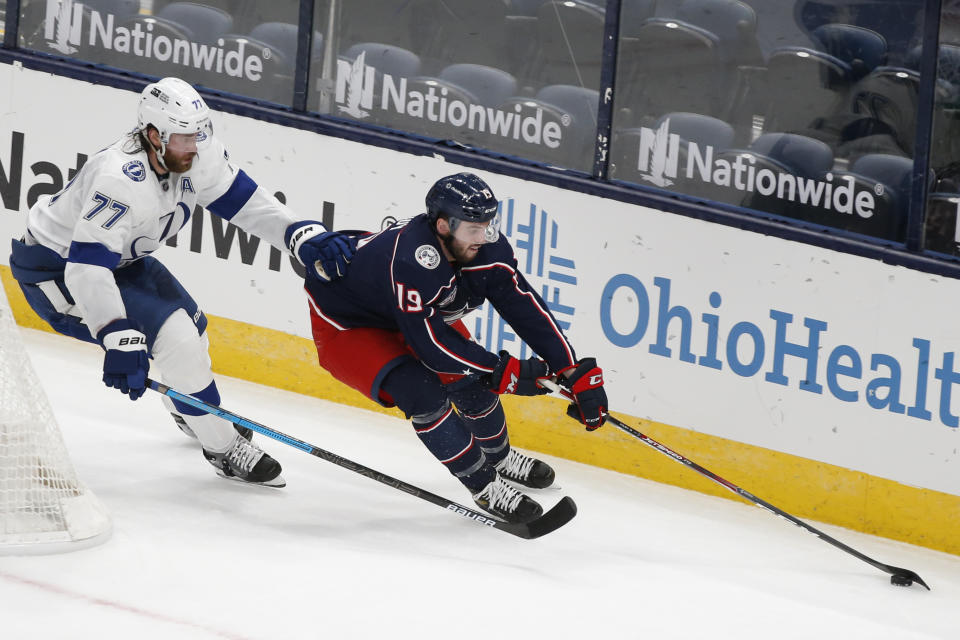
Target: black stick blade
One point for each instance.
(561, 513)
(904, 577)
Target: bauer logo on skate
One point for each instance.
(763, 348)
(66, 30)
(535, 236)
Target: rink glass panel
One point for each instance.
(246, 48)
(519, 78)
(942, 226)
(801, 110)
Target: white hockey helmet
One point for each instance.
(172, 106)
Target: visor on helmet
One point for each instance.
(476, 232)
(187, 142)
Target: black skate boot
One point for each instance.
(246, 462)
(503, 501)
(525, 470)
(245, 432)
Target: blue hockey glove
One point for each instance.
(519, 376)
(125, 365)
(325, 253)
(586, 384)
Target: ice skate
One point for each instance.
(525, 470)
(244, 432)
(246, 462)
(504, 501)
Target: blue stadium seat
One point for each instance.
(276, 77)
(786, 153)
(573, 112)
(733, 23)
(386, 58)
(805, 89)
(796, 154)
(890, 175)
(396, 62)
(282, 37)
(689, 127)
(896, 21)
(863, 49)
(470, 84)
(487, 85)
(151, 65)
(670, 66)
(204, 22)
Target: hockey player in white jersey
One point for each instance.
(85, 267)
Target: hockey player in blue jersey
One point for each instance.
(391, 328)
(85, 267)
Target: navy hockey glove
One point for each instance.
(519, 376)
(325, 253)
(586, 384)
(125, 364)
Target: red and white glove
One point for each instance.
(519, 376)
(586, 384)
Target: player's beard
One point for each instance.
(178, 164)
(460, 252)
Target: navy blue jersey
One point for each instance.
(399, 279)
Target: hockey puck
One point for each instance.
(900, 581)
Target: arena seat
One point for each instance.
(787, 153)
(282, 37)
(734, 23)
(862, 49)
(689, 127)
(573, 110)
(204, 22)
(805, 88)
(386, 58)
(888, 179)
(470, 84)
(670, 66)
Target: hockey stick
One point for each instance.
(898, 576)
(559, 515)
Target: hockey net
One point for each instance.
(43, 506)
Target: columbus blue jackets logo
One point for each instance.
(135, 170)
(427, 256)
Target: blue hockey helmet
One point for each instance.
(464, 197)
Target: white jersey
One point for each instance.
(116, 210)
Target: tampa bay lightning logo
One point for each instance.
(135, 170)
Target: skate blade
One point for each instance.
(276, 483)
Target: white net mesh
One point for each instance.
(43, 506)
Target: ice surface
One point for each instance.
(337, 555)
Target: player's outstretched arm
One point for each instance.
(325, 254)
